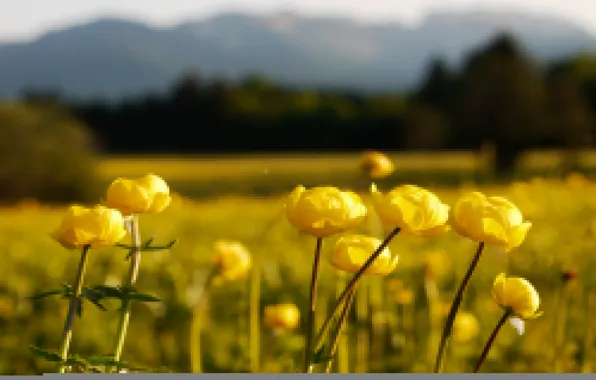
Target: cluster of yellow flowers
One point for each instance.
(104, 225)
(325, 211)
(322, 212)
(409, 209)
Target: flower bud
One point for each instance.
(324, 211)
(232, 259)
(414, 210)
(465, 327)
(376, 164)
(492, 220)
(517, 294)
(97, 227)
(148, 194)
(284, 316)
(351, 252)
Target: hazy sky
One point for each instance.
(26, 19)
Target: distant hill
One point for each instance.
(113, 57)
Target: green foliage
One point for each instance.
(46, 155)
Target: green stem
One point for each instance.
(455, 306)
(75, 299)
(343, 354)
(352, 284)
(196, 325)
(589, 337)
(254, 318)
(363, 341)
(561, 322)
(432, 295)
(133, 273)
(312, 306)
(338, 331)
(491, 340)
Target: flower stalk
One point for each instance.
(342, 321)
(312, 306)
(74, 305)
(491, 340)
(454, 307)
(196, 324)
(133, 273)
(254, 318)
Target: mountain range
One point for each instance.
(113, 57)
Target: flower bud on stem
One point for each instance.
(75, 299)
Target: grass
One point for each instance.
(275, 174)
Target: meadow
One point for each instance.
(397, 319)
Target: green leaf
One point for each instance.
(147, 244)
(93, 296)
(47, 294)
(106, 291)
(47, 355)
(145, 247)
(143, 297)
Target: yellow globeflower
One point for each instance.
(232, 259)
(404, 296)
(351, 252)
(492, 220)
(135, 196)
(518, 294)
(97, 227)
(376, 164)
(465, 327)
(285, 316)
(324, 211)
(159, 191)
(413, 209)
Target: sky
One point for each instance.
(22, 20)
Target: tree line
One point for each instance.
(499, 97)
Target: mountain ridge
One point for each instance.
(113, 57)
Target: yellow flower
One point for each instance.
(404, 296)
(518, 294)
(465, 327)
(376, 164)
(351, 252)
(135, 196)
(285, 316)
(492, 220)
(324, 211)
(437, 264)
(232, 259)
(159, 191)
(413, 209)
(97, 227)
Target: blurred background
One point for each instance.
(235, 103)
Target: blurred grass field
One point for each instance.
(275, 174)
(397, 334)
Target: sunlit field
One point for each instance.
(275, 174)
(396, 321)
